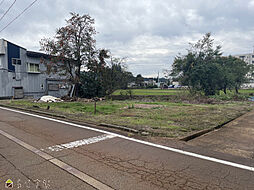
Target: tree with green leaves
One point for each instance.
(204, 69)
(233, 73)
(139, 81)
(115, 75)
(105, 77)
(198, 69)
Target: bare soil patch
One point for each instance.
(144, 106)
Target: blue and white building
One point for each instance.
(22, 74)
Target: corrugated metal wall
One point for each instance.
(33, 84)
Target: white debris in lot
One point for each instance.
(49, 99)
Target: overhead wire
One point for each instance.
(8, 10)
(30, 5)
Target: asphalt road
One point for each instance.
(42, 153)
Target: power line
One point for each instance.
(8, 9)
(18, 15)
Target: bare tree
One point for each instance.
(72, 46)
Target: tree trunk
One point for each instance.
(236, 90)
(76, 90)
(95, 107)
(225, 90)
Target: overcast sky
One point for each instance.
(150, 33)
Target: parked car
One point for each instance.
(178, 86)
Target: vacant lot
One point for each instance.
(158, 118)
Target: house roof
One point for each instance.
(37, 54)
(12, 43)
(30, 53)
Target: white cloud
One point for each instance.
(150, 33)
(251, 4)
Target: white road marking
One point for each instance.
(241, 166)
(78, 143)
(77, 173)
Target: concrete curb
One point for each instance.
(119, 127)
(34, 111)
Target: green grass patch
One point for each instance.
(73, 107)
(244, 94)
(246, 91)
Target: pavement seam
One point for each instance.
(75, 172)
(191, 154)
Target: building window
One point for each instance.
(33, 68)
(53, 87)
(16, 61)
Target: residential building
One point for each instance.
(248, 58)
(22, 74)
(132, 85)
(149, 82)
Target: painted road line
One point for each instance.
(224, 162)
(82, 176)
(78, 143)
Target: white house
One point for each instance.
(248, 58)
